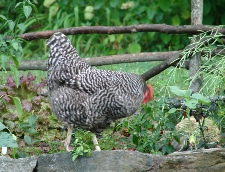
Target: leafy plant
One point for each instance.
(198, 106)
(149, 131)
(81, 146)
(10, 43)
(7, 139)
(27, 113)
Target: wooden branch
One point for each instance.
(161, 67)
(162, 28)
(104, 60)
(126, 58)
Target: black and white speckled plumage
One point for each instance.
(84, 96)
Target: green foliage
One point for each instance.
(64, 14)
(81, 145)
(7, 139)
(212, 61)
(147, 132)
(198, 106)
(191, 100)
(10, 44)
(27, 115)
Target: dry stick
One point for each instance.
(161, 67)
(126, 58)
(162, 28)
(195, 60)
(105, 60)
(171, 59)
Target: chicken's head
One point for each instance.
(148, 95)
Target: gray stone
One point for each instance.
(110, 161)
(210, 160)
(17, 165)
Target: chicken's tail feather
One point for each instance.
(60, 46)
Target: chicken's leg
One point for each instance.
(68, 139)
(95, 141)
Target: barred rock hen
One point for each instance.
(86, 97)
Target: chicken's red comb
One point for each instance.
(148, 96)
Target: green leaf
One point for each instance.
(134, 48)
(27, 9)
(18, 105)
(151, 13)
(119, 38)
(2, 126)
(32, 119)
(74, 157)
(22, 154)
(15, 60)
(3, 17)
(33, 6)
(170, 125)
(31, 131)
(114, 3)
(135, 139)
(176, 20)
(21, 26)
(177, 138)
(15, 45)
(186, 14)
(201, 98)
(220, 41)
(165, 38)
(165, 4)
(207, 7)
(112, 38)
(27, 140)
(179, 92)
(15, 75)
(11, 25)
(98, 4)
(18, 4)
(191, 103)
(6, 140)
(3, 60)
(172, 110)
(167, 149)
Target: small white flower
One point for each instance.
(88, 12)
(127, 5)
(88, 16)
(89, 9)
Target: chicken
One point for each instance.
(86, 97)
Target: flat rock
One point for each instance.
(207, 160)
(17, 165)
(102, 161)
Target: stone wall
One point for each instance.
(121, 161)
